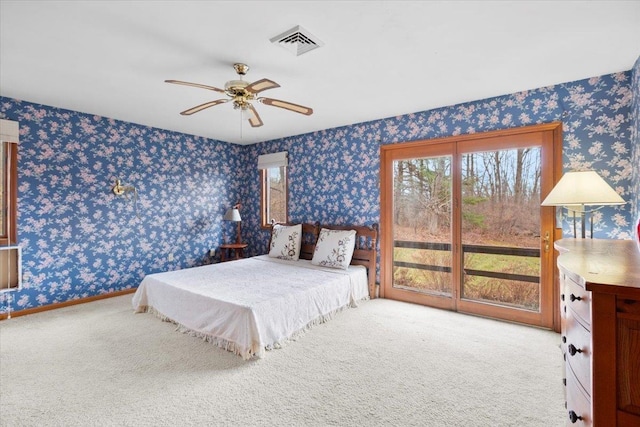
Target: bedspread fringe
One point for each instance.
(255, 351)
(224, 344)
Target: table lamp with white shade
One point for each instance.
(233, 214)
(579, 189)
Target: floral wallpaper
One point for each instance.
(80, 240)
(334, 174)
(635, 142)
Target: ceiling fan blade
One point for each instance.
(260, 85)
(179, 82)
(287, 106)
(203, 106)
(254, 118)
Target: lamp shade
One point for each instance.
(232, 214)
(582, 188)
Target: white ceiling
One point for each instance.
(379, 59)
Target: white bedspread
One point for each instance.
(252, 304)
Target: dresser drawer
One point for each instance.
(578, 351)
(601, 331)
(578, 404)
(577, 299)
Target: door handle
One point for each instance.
(547, 242)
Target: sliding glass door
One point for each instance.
(422, 232)
(462, 224)
(500, 228)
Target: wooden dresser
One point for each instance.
(600, 314)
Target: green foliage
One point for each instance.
(473, 200)
(474, 219)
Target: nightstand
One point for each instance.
(236, 248)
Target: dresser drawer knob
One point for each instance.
(573, 417)
(573, 350)
(573, 298)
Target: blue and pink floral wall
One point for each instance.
(80, 240)
(333, 174)
(634, 198)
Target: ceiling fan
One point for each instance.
(241, 93)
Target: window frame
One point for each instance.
(265, 195)
(9, 169)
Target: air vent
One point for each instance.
(297, 40)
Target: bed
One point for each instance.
(260, 303)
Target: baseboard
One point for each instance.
(26, 311)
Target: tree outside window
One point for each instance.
(274, 195)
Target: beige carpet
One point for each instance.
(385, 363)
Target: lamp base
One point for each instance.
(239, 238)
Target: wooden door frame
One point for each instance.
(388, 153)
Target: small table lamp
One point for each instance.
(233, 214)
(578, 189)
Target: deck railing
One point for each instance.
(478, 249)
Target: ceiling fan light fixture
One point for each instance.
(240, 103)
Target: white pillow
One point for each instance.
(285, 242)
(334, 248)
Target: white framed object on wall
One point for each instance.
(10, 268)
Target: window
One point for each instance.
(9, 255)
(8, 181)
(273, 176)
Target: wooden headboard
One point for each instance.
(364, 252)
(310, 233)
